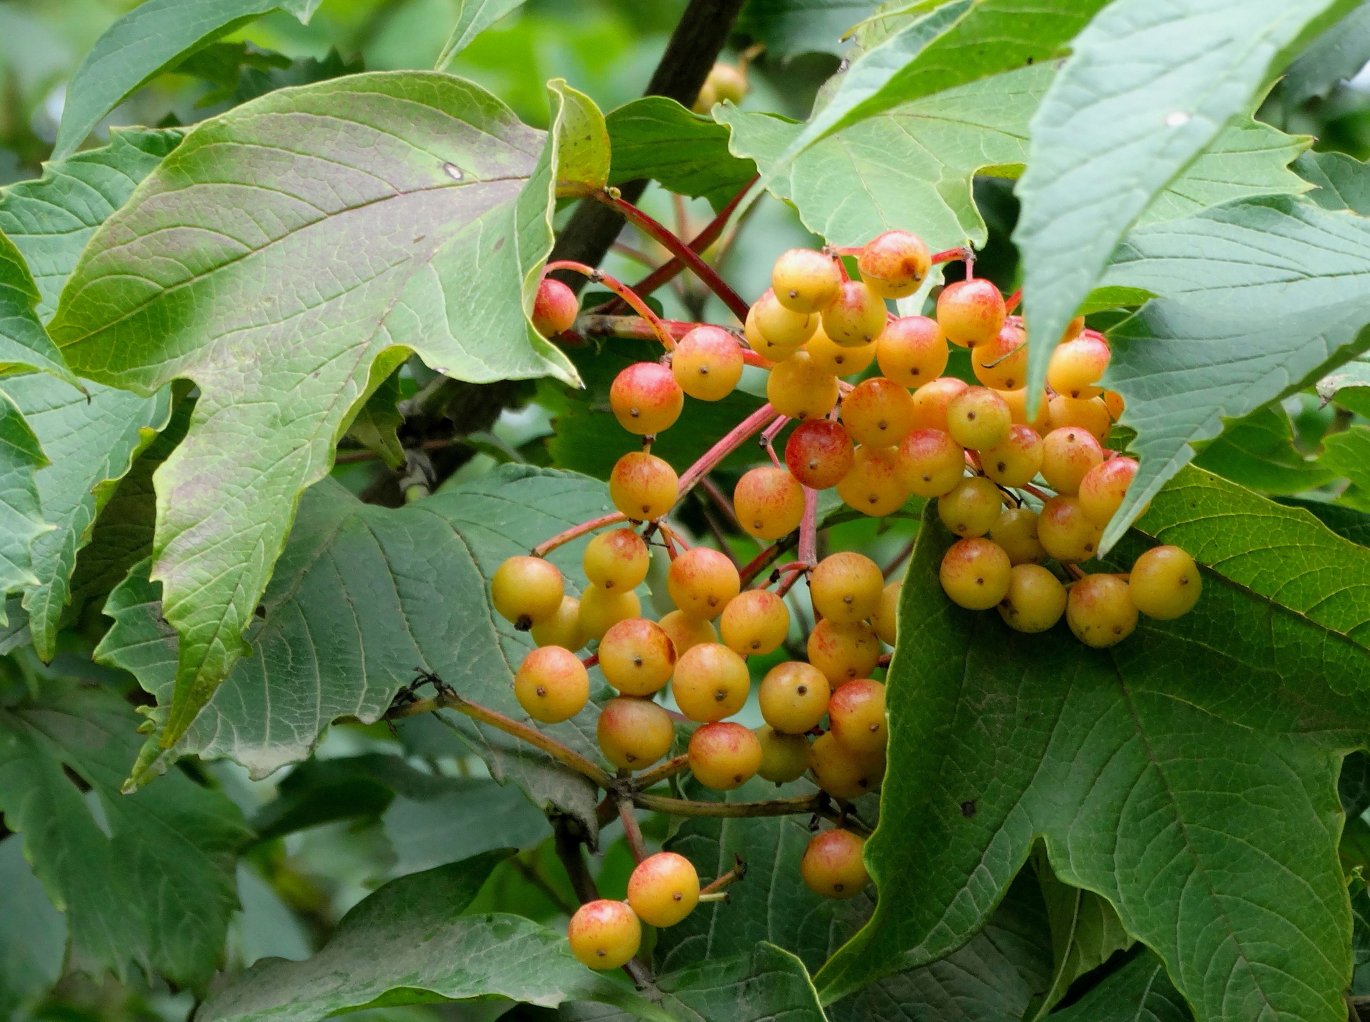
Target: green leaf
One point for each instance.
(1138, 992)
(995, 975)
(365, 245)
(1120, 761)
(789, 27)
(658, 139)
(1345, 522)
(91, 441)
(912, 167)
(1335, 55)
(409, 943)
(378, 421)
(1145, 90)
(23, 341)
(764, 985)
(21, 515)
(1348, 454)
(473, 18)
(1258, 452)
(1085, 932)
(33, 934)
(1339, 181)
(1248, 329)
(146, 41)
(1348, 386)
(129, 872)
(433, 820)
(362, 596)
(52, 219)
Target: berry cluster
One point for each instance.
(1015, 490)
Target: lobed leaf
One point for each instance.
(1258, 452)
(1188, 774)
(23, 341)
(150, 39)
(1146, 89)
(327, 231)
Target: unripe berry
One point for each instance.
(836, 359)
(707, 363)
(1065, 531)
(972, 507)
(894, 264)
(643, 486)
(799, 389)
(554, 307)
(618, 559)
(686, 632)
(1067, 454)
(526, 590)
(604, 934)
(769, 502)
(1001, 362)
(754, 622)
(912, 351)
(805, 280)
(727, 83)
(1114, 402)
(930, 402)
(975, 573)
(645, 398)
(873, 486)
(1165, 583)
(1035, 601)
(1100, 610)
(1016, 532)
(931, 463)
(634, 733)
(832, 866)
(636, 656)
(856, 714)
(562, 628)
(885, 618)
(843, 773)
(663, 889)
(1090, 414)
(793, 697)
(601, 609)
(763, 345)
(779, 326)
(1077, 365)
(701, 581)
(724, 755)
(978, 418)
(819, 453)
(711, 682)
(856, 317)
(971, 312)
(1017, 459)
(784, 757)
(878, 412)
(1017, 406)
(1103, 488)
(551, 684)
(843, 651)
(846, 586)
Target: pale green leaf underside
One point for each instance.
(1188, 774)
(23, 341)
(362, 595)
(145, 880)
(1147, 88)
(147, 40)
(1255, 299)
(316, 230)
(410, 941)
(912, 167)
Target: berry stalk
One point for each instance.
(663, 333)
(734, 439)
(574, 532)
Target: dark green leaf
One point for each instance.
(1249, 328)
(21, 516)
(1145, 90)
(1258, 452)
(378, 420)
(788, 27)
(1335, 55)
(433, 820)
(33, 934)
(362, 596)
(365, 245)
(1339, 181)
(1085, 932)
(146, 879)
(1348, 454)
(473, 17)
(409, 943)
(23, 341)
(1121, 760)
(1349, 524)
(146, 41)
(659, 139)
(1138, 992)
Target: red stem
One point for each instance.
(808, 528)
(1011, 302)
(732, 441)
(679, 249)
(623, 291)
(562, 538)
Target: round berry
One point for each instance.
(1017, 406)
(975, 573)
(643, 486)
(846, 586)
(636, 656)
(784, 757)
(856, 714)
(727, 83)
(912, 351)
(819, 453)
(551, 684)
(663, 889)
(724, 755)
(1089, 414)
(971, 312)
(873, 485)
(856, 316)
(1016, 531)
(1100, 610)
(754, 622)
(781, 327)
(1015, 461)
(711, 682)
(805, 280)
(763, 345)
(618, 559)
(832, 866)
(554, 307)
(842, 772)
(801, 390)
(894, 264)
(1065, 531)
(1067, 454)
(645, 398)
(769, 502)
(836, 359)
(601, 609)
(526, 590)
(634, 733)
(1165, 583)
(1001, 362)
(701, 581)
(1077, 365)
(686, 632)
(886, 617)
(843, 651)
(707, 363)
(604, 934)
(1103, 487)
(930, 402)
(878, 412)
(1035, 601)
(931, 463)
(793, 697)
(562, 628)
(972, 507)
(978, 418)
